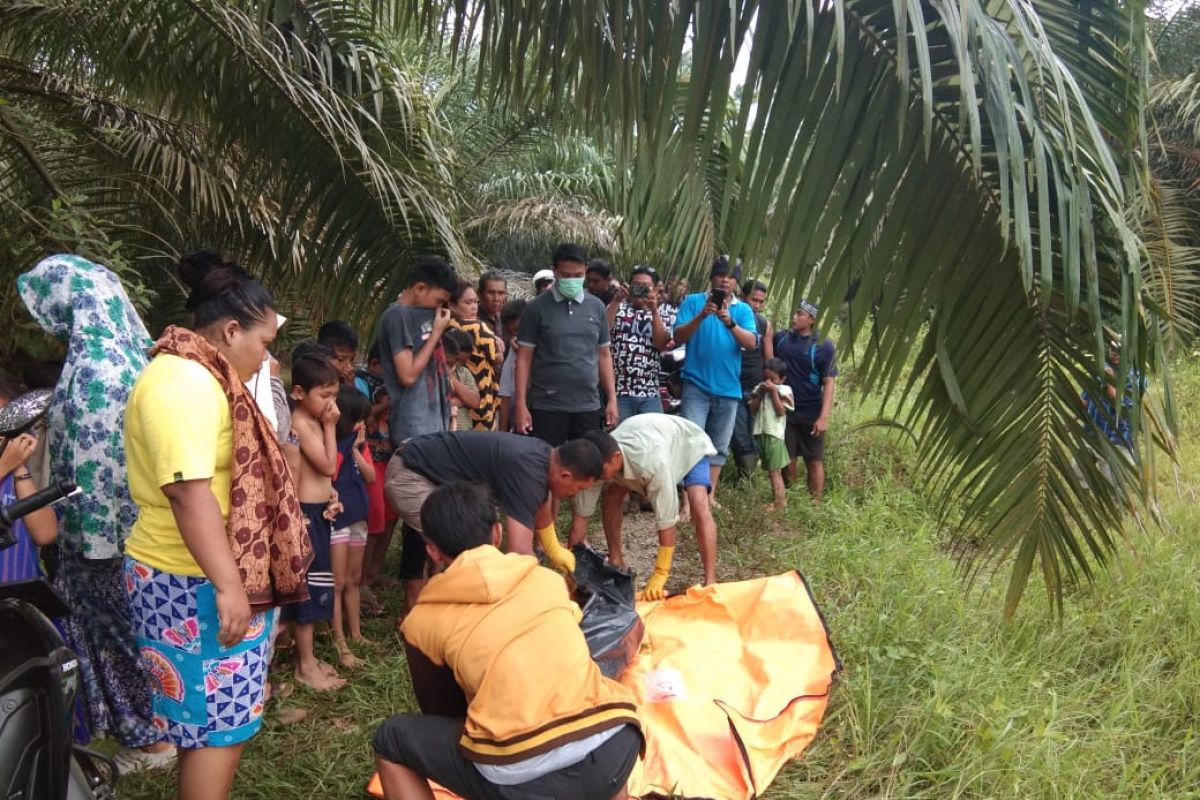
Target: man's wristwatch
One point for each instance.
(731, 325)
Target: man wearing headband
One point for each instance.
(811, 374)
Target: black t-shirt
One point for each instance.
(514, 467)
(752, 360)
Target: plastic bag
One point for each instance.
(610, 621)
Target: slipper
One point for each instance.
(278, 690)
(133, 759)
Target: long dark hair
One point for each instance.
(223, 290)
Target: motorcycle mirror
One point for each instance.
(20, 414)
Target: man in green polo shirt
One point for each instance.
(653, 455)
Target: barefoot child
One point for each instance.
(770, 402)
(314, 421)
(349, 540)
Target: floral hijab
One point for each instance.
(84, 305)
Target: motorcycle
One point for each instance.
(39, 675)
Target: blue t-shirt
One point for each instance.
(810, 360)
(19, 562)
(350, 485)
(714, 358)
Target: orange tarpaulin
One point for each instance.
(732, 682)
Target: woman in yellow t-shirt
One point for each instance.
(219, 539)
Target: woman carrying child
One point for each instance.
(485, 358)
(219, 539)
(348, 543)
(84, 306)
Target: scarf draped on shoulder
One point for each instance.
(266, 529)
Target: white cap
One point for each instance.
(543, 275)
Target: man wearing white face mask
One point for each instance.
(564, 355)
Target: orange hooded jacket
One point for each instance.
(509, 632)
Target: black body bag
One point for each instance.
(610, 621)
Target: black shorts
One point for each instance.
(428, 745)
(558, 427)
(413, 557)
(319, 605)
(800, 441)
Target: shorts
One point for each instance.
(413, 557)
(559, 427)
(428, 745)
(202, 694)
(319, 605)
(407, 491)
(354, 535)
(699, 475)
(773, 452)
(801, 443)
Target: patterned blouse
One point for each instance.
(486, 379)
(635, 358)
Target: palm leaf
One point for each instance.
(962, 164)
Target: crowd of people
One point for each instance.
(228, 515)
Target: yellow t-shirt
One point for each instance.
(177, 428)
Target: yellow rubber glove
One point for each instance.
(560, 557)
(655, 587)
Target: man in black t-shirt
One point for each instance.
(523, 472)
(741, 445)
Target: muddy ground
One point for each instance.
(641, 546)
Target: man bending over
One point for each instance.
(652, 454)
(513, 705)
(523, 473)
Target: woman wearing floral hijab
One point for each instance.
(84, 305)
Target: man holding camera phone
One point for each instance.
(638, 336)
(716, 327)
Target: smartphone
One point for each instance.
(717, 297)
(638, 290)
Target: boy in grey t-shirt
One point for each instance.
(417, 380)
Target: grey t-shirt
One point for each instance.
(423, 407)
(566, 336)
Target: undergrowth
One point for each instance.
(939, 698)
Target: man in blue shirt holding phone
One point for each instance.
(716, 327)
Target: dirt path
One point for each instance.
(641, 547)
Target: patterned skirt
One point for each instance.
(203, 694)
(116, 691)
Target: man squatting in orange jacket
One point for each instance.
(513, 705)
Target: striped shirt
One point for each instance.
(19, 562)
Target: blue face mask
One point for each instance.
(569, 288)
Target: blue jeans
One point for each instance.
(714, 413)
(742, 441)
(630, 406)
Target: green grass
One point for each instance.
(939, 697)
